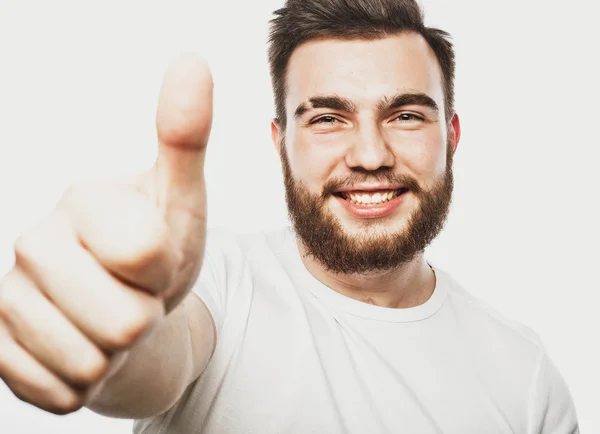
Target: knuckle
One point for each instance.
(25, 246)
(125, 332)
(67, 403)
(36, 386)
(145, 252)
(9, 301)
(90, 370)
(44, 388)
(178, 131)
(33, 246)
(46, 395)
(149, 232)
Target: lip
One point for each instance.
(369, 187)
(372, 211)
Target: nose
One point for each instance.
(369, 151)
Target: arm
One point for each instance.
(88, 313)
(552, 410)
(158, 369)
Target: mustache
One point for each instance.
(384, 176)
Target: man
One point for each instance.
(339, 325)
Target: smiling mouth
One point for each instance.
(370, 198)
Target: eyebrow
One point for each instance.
(386, 104)
(404, 99)
(333, 102)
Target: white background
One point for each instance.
(78, 90)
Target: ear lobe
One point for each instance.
(276, 135)
(454, 132)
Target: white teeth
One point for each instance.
(370, 199)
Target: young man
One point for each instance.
(336, 325)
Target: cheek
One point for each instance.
(315, 158)
(422, 153)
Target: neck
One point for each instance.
(409, 285)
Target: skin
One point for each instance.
(325, 141)
(99, 298)
(92, 308)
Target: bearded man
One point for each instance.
(338, 324)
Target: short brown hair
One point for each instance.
(300, 21)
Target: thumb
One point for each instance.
(184, 113)
(183, 123)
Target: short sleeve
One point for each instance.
(211, 285)
(552, 410)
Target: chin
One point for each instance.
(371, 228)
(368, 228)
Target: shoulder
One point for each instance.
(508, 356)
(485, 325)
(229, 268)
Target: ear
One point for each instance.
(454, 132)
(276, 135)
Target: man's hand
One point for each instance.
(111, 260)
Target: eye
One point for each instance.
(407, 117)
(325, 120)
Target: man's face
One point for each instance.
(366, 152)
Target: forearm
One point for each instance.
(154, 375)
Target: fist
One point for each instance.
(111, 261)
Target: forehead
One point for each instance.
(363, 70)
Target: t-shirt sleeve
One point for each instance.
(211, 285)
(552, 410)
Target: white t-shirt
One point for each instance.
(294, 356)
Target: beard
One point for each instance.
(373, 250)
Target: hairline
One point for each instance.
(375, 36)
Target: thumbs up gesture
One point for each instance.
(112, 259)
